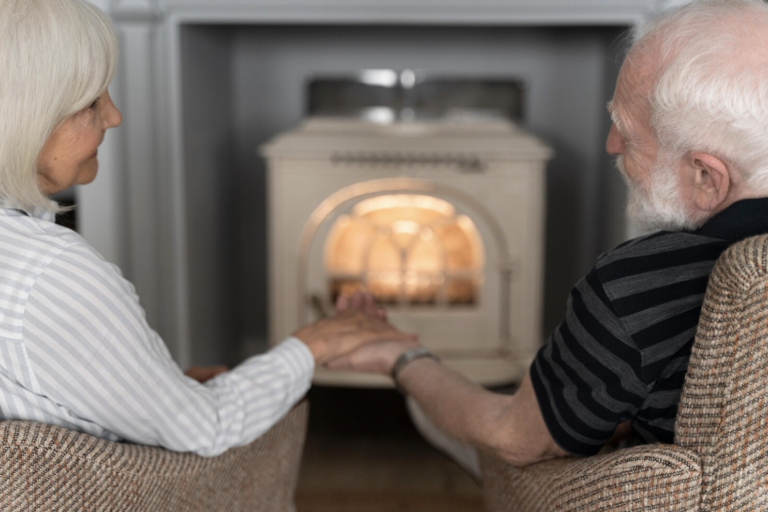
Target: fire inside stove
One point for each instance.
(406, 249)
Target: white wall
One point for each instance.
(667, 4)
(99, 210)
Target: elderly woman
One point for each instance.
(75, 348)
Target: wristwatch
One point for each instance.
(407, 357)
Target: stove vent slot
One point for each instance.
(462, 163)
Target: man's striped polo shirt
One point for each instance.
(622, 351)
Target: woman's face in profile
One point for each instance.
(69, 157)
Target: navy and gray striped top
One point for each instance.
(76, 351)
(622, 351)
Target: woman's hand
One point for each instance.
(363, 302)
(340, 335)
(376, 357)
(205, 373)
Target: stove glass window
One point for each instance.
(406, 249)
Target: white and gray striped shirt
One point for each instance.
(76, 351)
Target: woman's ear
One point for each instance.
(711, 180)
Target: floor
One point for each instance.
(363, 455)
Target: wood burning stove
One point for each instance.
(441, 220)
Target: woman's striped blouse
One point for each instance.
(76, 351)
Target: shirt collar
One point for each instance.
(8, 208)
(743, 219)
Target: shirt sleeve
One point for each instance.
(94, 354)
(587, 377)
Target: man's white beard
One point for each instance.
(661, 207)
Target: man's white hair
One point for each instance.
(711, 83)
(56, 58)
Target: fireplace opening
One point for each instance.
(242, 84)
(406, 250)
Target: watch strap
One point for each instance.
(407, 357)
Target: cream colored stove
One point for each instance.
(442, 221)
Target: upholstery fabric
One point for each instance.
(655, 477)
(719, 461)
(725, 413)
(43, 467)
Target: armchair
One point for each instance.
(43, 467)
(719, 461)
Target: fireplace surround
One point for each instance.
(183, 93)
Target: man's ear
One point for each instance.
(711, 180)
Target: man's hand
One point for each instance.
(204, 373)
(375, 358)
(337, 336)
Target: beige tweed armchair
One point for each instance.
(719, 461)
(46, 468)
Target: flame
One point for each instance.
(420, 202)
(406, 247)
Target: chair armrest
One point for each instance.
(45, 468)
(652, 477)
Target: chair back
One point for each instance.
(723, 413)
(43, 467)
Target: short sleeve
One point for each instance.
(587, 377)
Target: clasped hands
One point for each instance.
(357, 338)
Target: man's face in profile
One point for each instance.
(657, 206)
(656, 199)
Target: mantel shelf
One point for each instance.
(430, 12)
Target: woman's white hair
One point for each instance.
(711, 87)
(56, 58)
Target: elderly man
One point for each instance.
(690, 133)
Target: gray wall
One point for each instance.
(569, 72)
(210, 180)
